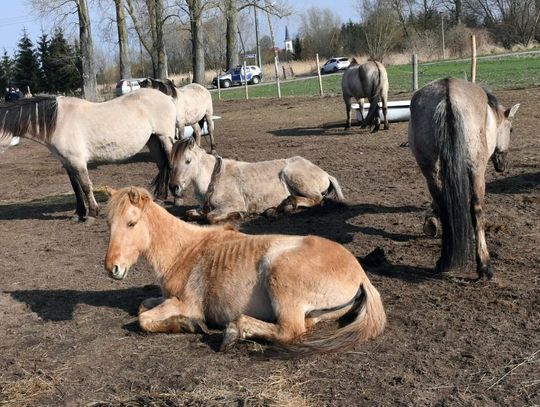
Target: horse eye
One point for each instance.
(511, 130)
(131, 224)
(188, 160)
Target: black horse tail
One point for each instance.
(373, 112)
(161, 181)
(201, 122)
(455, 197)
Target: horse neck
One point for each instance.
(168, 237)
(204, 175)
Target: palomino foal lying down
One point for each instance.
(272, 287)
(229, 189)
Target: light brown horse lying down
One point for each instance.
(272, 287)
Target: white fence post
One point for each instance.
(415, 72)
(319, 75)
(277, 77)
(246, 80)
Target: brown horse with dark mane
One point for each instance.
(272, 287)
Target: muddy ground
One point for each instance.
(68, 334)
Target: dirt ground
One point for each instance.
(68, 331)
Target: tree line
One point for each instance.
(196, 35)
(396, 25)
(52, 65)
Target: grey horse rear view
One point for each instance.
(370, 81)
(455, 128)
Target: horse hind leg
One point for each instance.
(483, 261)
(432, 225)
(210, 125)
(385, 111)
(288, 329)
(348, 108)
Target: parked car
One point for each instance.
(127, 85)
(235, 76)
(335, 64)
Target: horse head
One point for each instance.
(185, 158)
(129, 234)
(504, 130)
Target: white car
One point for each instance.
(335, 64)
(236, 76)
(127, 85)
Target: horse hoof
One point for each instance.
(271, 213)
(89, 220)
(178, 201)
(229, 338)
(439, 268)
(485, 271)
(431, 226)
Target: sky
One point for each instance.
(17, 15)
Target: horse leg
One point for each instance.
(80, 212)
(483, 262)
(167, 318)
(150, 303)
(210, 125)
(159, 154)
(385, 111)
(195, 214)
(348, 104)
(220, 215)
(431, 220)
(197, 131)
(82, 175)
(290, 327)
(293, 202)
(361, 103)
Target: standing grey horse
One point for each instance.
(368, 80)
(193, 103)
(229, 188)
(77, 132)
(455, 128)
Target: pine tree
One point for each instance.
(6, 71)
(63, 73)
(297, 48)
(26, 67)
(45, 65)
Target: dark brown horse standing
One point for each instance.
(455, 127)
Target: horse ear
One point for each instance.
(191, 142)
(110, 191)
(510, 113)
(134, 196)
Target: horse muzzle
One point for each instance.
(119, 272)
(176, 190)
(500, 161)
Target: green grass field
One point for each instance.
(499, 73)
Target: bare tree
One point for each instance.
(62, 9)
(380, 26)
(123, 47)
(151, 39)
(320, 32)
(231, 9)
(513, 21)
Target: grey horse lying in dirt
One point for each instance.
(228, 189)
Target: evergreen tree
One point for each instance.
(297, 49)
(26, 67)
(6, 71)
(62, 70)
(45, 65)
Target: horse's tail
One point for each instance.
(454, 199)
(161, 181)
(373, 112)
(335, 188)
(369, 321)
(201, 122)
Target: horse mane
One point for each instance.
(180, 147)
(33, 117)
(494, 104)
(163, 85)
(119, 202)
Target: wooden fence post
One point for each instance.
(218, 85)
(246, 80)
(415, 72)
(473, 59)
(319, 75)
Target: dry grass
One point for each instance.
(279, 390)
(24, 392)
